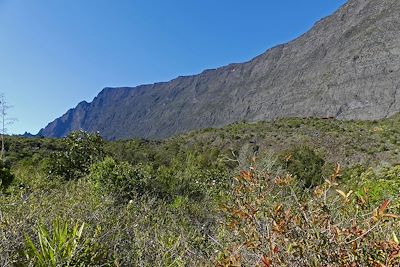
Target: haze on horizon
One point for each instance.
(55, 54)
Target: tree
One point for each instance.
(5, 121)
(80, 151)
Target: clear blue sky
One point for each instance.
(56, 53)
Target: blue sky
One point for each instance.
(56, 53)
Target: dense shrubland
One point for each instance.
(265, 194)
(271, 221)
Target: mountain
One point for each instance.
(347, 66)
(26, 135)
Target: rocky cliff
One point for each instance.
(347, 66)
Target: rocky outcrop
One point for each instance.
(347, 66)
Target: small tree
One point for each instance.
(5, 121)
(80, 151)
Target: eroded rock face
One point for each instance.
(347, 66)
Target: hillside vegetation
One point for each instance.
(292, 192)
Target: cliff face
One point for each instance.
(347, 66)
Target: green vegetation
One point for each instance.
(79, 151)
(62, 245)
(120, 180)
(6, 177)
(249, 194)
(305, 164)
(273, 222)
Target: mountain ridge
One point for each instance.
(346, 66)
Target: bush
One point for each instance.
(188, 176)
(270, 221)
(304, 163)
(121, 180)
(185, 176)
(6, 177)
(81, 150)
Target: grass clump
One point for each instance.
(61, 245)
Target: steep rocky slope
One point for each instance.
(347, 66)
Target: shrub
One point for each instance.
(120, 180)
(304, 163)
(271, 222)
(81, 150)
(189, 176)
(6, 177)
